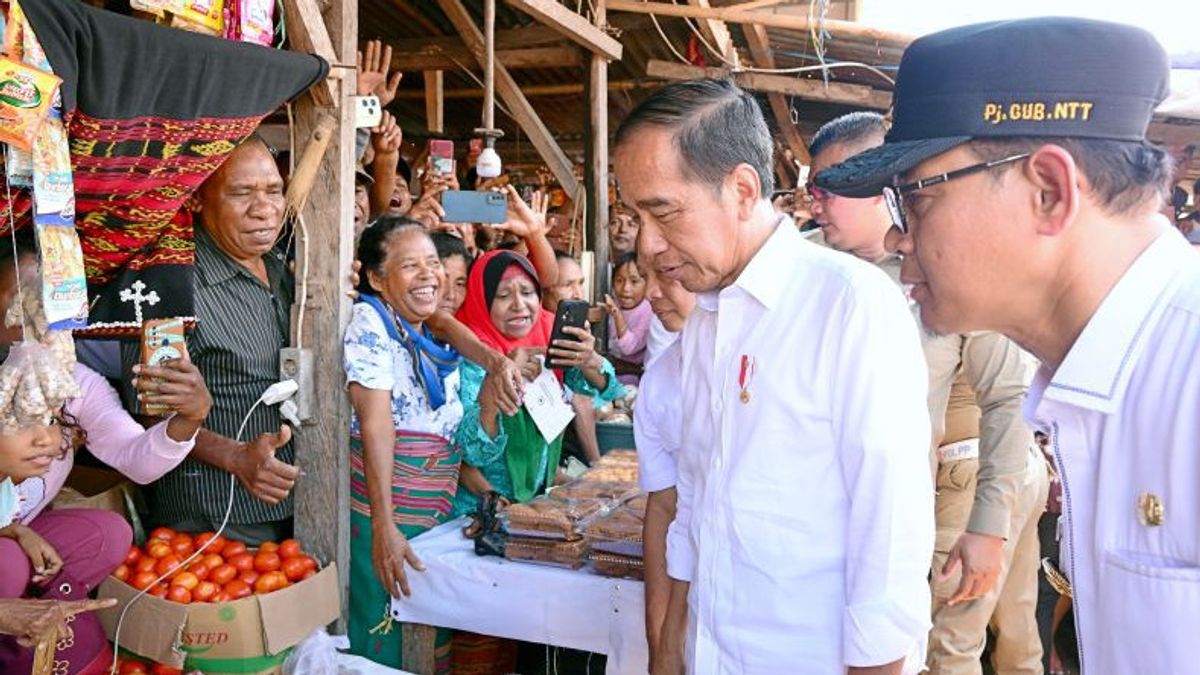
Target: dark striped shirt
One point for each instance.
(241, 325)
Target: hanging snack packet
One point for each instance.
(200, 16)
(155, 7)
(26, 95)
(256, 21)
(64, 284)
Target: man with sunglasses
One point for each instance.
(1026, 200)
(991, 480)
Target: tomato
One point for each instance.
(310, 563)
(121, 573)
(168, 565)
(270, 582)
(158, 549)
(182, 545)
(132, 667)
(212, 561)
(159, 591)
(221, 596)
(186, 580)
(290, 548)
(216, 547)
(233, 548)
(237, 589)
(243, 562)
(205, 591)
(293, 569)
(146, 564)
(179, 594)
(223, 574)
(163, 533)
(268, 547)
(199, 569)
(266, 562)
(308, 574)
(133, 556)
(249, 576)
(142, 580)
(160, 669)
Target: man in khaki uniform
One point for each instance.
(991, 481)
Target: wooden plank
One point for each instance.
(596, 166)
(837, 28)
(516, 102)
(513, 59)
(322, 493)
(717, 34)
(760, 51)
(812, 90)
(537, 90)
(307, 33)
(512, 38)
(757, 4)
(572, 26)
(417, 648)
(1174, 133)
(435, 103)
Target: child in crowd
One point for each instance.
(628, 318)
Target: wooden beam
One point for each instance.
(717, 34)
(512, 38)
(416, 16)
(757, 4)
(1168, 133)
(307, 33)
(538, 90)
(435, 109)
(596, 165)
(836, 28)
(513, 59)
(516, 102)
(572, 26)
(326, 249)
(812, 90)
(760, 51)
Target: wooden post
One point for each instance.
(322, 494)
(596, 169)
(434, 102)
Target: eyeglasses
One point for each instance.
(893, 195)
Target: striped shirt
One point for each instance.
(241, 325)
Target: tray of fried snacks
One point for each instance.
(637, 503)
(618, 458)
(585, 488)
(612, 473)
(568, 554)
(618, 566)
(618, 532)
(551, 517)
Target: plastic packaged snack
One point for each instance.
(551, 517)
(618, 532)
(613, 473)
(568, 554)
(64, 284)
(26, 95)
(617, 566)
(593, 489)
(200, 16)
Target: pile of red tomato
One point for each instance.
(130, 666)
(225, 571)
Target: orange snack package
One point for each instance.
(26, 95)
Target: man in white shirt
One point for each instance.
(1033, 209)
(803, 485)
(991, 479)
(657, 429)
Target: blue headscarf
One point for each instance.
(432, 361)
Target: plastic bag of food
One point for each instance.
(64, 283)
(200, 16)
(567, 554)
(252, 21)
(316, 655)
(618, 532)
(550, 517)
(26, 95)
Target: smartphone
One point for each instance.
(569, 313)
(472, 206)
(441, 155)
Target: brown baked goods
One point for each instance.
(612, 473)
(550, 516)
(618, 532)
(619, 566)
(637, 503)
(594, 489)
(569, 554)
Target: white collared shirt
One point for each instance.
(1123, 416)
(808, 509)
(658, 420)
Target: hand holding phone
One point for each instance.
(570, 314)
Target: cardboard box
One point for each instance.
(248, 636)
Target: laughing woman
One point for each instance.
(404, 390)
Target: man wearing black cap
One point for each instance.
(1026, 200)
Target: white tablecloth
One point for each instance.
(522, 601)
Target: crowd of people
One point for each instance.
(858, 447)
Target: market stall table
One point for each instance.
(523, 601)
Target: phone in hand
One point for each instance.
(471, 206)
(569, 313)
(441, 155)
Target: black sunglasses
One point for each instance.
(893, 195)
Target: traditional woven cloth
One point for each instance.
(151, 112)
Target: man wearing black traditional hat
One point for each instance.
(1026, 200)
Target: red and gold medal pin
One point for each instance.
(745, 376)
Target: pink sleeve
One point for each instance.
(637, 331)
(115, 438)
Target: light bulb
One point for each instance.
(488, 165)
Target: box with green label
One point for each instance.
(251, 636)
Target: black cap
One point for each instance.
(1052, 76)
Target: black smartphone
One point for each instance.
(569, 313)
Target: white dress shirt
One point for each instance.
(658, 420)
(804, 489)
(1123, 416)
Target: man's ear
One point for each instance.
(1057, 188)
(747, 188)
